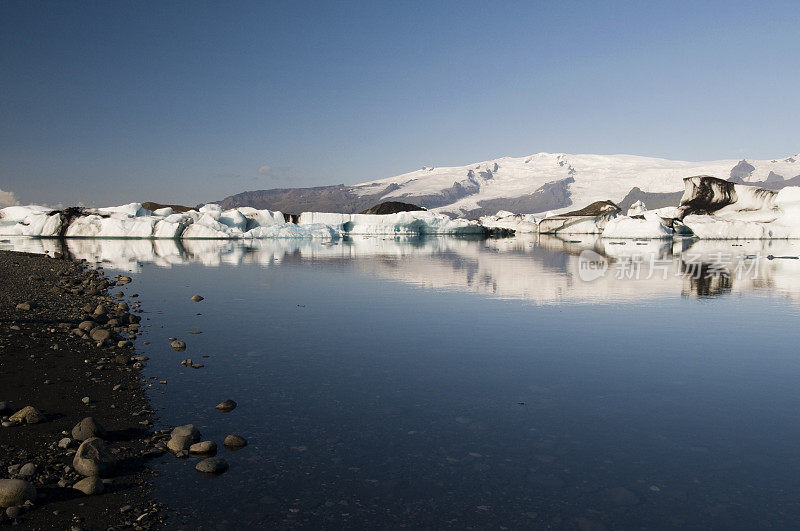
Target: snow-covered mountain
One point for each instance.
(537, 183)
(559, 181)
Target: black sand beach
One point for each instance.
(67, 374)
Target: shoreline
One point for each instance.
(67, 373)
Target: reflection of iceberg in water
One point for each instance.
(743, 266)
(539, 268)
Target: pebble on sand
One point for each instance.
(88, 428)
(93, 459)
(27, 415)
(15, 492)
(100, 334)
(89, 486)
(28, 470)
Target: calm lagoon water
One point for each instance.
(475, 383)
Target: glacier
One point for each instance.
(559, 182)
(710, 208)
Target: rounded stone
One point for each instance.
(87, 326)
(28, 470)
(205, 447)
(15, 492)
(235, 441)
(93, 459)
(88, 428)
(212, 465)
(197, 298)
(178, 345)
(100, 334)
(187, 430)
(89, 486)
(182, 437)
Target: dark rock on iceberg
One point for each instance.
(391, 207)
(598, 208)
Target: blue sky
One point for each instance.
(113, 102)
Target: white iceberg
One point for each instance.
(31, 220)
(639, 227)
(420, 222)
(717, 209)
(519, 223)
(637, 208)
(134, 221)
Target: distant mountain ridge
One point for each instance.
(535, 184)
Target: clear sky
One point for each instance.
(114, 102)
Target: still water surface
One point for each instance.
(474, 383)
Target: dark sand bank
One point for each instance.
(49, 363)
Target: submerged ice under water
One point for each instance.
(453, 383)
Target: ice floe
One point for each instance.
(212, 222)
(519, 223)
(420, 222)
(636, 227)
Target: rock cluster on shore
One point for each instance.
(76, 422)
(66, 350)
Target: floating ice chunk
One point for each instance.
(32, 220)
(290, 230)
(19, 213)
(233, 219)
(627, 227)
(637, 208)
(169, 229)
(261, 218)
(97, 226)
(519, 223)
(129, 210)
(666, 212)
(163, 212)
(573, 225)
(717, 228)
(402, 223)
(205, 227)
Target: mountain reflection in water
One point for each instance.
(538, 268)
